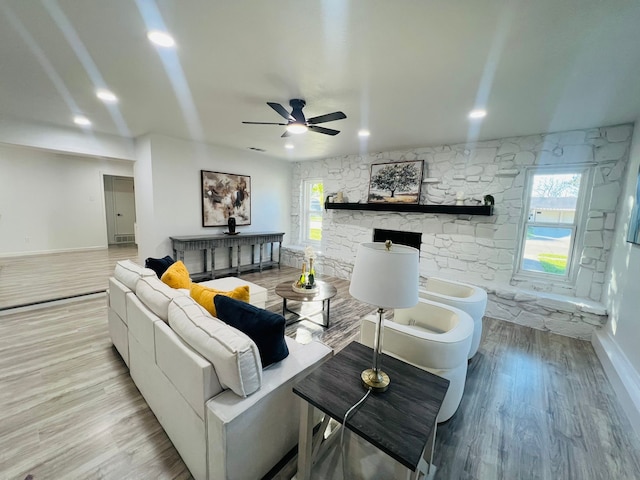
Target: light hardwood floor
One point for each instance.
(536, 405)
(38, 278)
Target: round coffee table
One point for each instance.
(324, 293)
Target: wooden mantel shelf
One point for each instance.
(399, 207)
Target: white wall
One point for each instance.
(66, 140)
(617, 344)
(624, 295)
(52, 202)
(168, 193)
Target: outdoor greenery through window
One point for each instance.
(550, 228)
(313, 201)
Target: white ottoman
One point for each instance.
(257, 294)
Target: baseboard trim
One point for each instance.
(623, 377)
(47, 252)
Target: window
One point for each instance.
(547, 245)
(313, 200)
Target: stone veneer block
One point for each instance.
(612, 151)
(583, 282)
(605, 197)
(595, 223)
(524, 158)
(619, 133)
(610, 222)
(593, 239)
(533, 320)
(512, 172)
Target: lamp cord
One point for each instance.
(344, 425)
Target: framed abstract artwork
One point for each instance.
(225, 195)
(397, 182)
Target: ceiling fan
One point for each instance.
(297, 123)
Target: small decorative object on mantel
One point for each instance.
(489, 200)
(460, 198)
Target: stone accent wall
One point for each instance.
(477, 249)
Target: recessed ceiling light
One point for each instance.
(364, 133)
(288, 146)
(477, 113)
(106, 96)
(162, 39)
(82, 121)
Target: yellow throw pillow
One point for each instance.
(177, 276)
(204, 295)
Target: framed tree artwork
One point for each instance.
(225, 195)
(397, 182)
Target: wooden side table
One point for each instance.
(401, 421)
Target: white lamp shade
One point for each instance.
(385, 278)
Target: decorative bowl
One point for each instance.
(298, 289)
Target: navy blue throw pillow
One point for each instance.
(265, 328)
(159, 265)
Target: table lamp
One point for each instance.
(386, 276)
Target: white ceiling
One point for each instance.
(407, 70)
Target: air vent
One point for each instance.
(257, 149)
(125, 239)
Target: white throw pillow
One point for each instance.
(233, 354)
(156, 295)
(129, 273)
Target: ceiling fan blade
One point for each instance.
(281, 110)
(329, 117)
(286, 133)
(326, 131)
(264, 123)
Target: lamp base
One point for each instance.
(377, 383)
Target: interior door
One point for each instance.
(125, 205)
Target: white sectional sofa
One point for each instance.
(227, 417)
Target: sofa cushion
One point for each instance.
(129, 273)
(205, 295)
(177, 276)
(156, 295)
(233, 354)
(265, 328)
(159, 265)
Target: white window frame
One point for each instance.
(306, 212)
(578, 226)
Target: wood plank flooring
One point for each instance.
(536, 405)
(38, 278)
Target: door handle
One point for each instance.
(119, 214)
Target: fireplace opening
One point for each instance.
(411, 239)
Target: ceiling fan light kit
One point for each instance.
(296, 121)
(296, 128)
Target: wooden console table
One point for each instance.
(208, 244)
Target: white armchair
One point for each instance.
(431, 336)
(469, 298)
